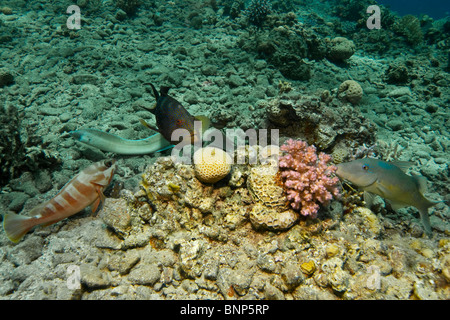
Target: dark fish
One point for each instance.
(171, 115)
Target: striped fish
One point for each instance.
(85, 189)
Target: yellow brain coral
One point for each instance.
(211, 164)
(351, 91)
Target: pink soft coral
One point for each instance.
(307, 177)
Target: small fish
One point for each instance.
(85, 189)
(171, 115)
(388, 180)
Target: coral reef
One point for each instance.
(288, 47)
(211, 164)
(322, 120)
(340, 49)
(350, 91)
(409, 27)
(307, 177)
(17, 156)
(257, 12)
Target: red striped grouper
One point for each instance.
(85, 189)
(389, 180)
(171, 115)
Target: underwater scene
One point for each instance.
(224, 150)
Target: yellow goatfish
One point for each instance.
(85, 189)
(388, 180)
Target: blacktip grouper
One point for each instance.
(389, 180)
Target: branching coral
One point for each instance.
(307, 177)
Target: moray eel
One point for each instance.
(112, 143)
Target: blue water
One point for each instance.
(436, 9)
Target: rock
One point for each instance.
(395, 124)
(332, 250)
(266, 263)
(272, 293)
(27, 251)
(120, 15)
(210, 70)
(189, 252)
(115, 214)
(308, 267)
(292, 275)
(400, 92)
(147, 275)
(235, 81)
(6, 78)
(85, 79)
(16, 200)
(124, 261)
(93, 278)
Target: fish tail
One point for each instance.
(16, 226)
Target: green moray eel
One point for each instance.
(112, 143)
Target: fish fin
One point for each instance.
(16, 226)
(100, 199)
(152, 109)
(155, 92)
(95, 205)
(164, 91)
(206, 122)
(403, 165)
(421, 183)
(368, 198)
(425, 220)
(398, 205)
(146, 124)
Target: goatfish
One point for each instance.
(389, 180)
(171, 115)
(85, 189)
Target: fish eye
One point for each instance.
(365, 167)
(179, 122)
(109, 163)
